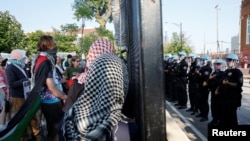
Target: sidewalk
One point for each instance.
(174, 132)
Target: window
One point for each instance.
(248, 31)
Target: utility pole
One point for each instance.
(217, 29)
(204, 43)
(180, 27)
(181, 34)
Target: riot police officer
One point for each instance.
(167, 67)
(230, 90)
(173, 73)
(182, 80)
(192, 87)
(203, 86)
(215, 79)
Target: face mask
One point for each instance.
(53, 51)
(19, 62)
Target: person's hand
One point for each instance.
(205, 83)
(225, 82)
(216, 92)
(64, 98)
(212, 76)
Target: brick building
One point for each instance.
(245, 32)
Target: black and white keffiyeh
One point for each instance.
(99, 107)
(50, 57)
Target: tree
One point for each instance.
(71, 29)
(32, 39)
(11, 34)
(64, 42)
(177, 44)
(100, 10)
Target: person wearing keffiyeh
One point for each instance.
(98, 109)
(51, 92)
(98, 47)
(16, 76)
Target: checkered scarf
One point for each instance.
(99, 47)
(99, 107)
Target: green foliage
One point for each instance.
(32, 39)
(99, 10)
(71, 29)
(177, 44)
(66, 43)
(11, 34)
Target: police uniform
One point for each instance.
(204, 92)
(192, 86)
(231, 97)
(216, 99)
(182, 84)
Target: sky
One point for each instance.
(198, 19)
(199, 22)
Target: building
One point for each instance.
(235, 46)
(84, 31)
(245, 27)
(245, 34)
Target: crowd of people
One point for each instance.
(77, 102)
(192, 78)
(95, 93)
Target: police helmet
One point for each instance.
(168, 55)
(182, 53)
(193, 55)
(233, 57)
(175, 57)
(205, 57)
(219, 61)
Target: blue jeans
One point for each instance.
(118, 14)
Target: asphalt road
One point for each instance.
(196, 130)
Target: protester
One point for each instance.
(98, 109)
(17, 77)
(52, 96)
(66, 62)
(5, 105)
(73, 70)
(98, 47)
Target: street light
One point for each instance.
(180, 27)
(217, 29)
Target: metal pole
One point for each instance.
(204, 43)
(181, 34)
(152, 73)
(217, 29)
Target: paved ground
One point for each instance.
(181, 126)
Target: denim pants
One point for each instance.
(118, 14)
